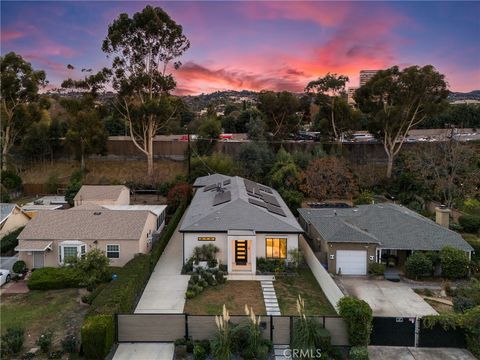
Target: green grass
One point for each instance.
(304, 284)
(38, 311)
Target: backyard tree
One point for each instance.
(279, 111)
(397, 101)
(329, 178)
(19, 86)
(327, 91)
(144, 48)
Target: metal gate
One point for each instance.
(438, 336)
(393, 331)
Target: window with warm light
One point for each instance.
(276, 248)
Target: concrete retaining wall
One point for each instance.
(329, 287)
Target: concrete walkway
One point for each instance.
(411, 353)
(165, 291)
(270, 298)
(145, 351)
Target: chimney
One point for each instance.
(442, 216)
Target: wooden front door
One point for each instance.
(241, 251)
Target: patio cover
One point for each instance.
(34, 245)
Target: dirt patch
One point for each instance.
(234, 294)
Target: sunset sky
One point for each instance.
(260, 45)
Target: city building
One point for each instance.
(366, 75)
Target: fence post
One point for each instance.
(417, 331)
(186, 326)
(116, 327)
(271, 328)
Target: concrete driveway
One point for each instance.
(411, 353)
(387, 298)
(144, 351)
(165, 291)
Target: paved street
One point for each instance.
(410, 353)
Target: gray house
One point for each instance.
(244, 219)
(351, 238)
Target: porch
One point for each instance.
(241, 253)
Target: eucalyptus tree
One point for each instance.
(19, 87)
(328, 91)
(144, 49)
(397, 101)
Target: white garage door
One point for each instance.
(352, 262)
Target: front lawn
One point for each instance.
(234, 294)
(38, 311)
(288, 288)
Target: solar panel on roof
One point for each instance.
(209, 187)
(275, 210)
(226, 182)
(265, 189)
(271, 199)
(222, 197)
(257, 202)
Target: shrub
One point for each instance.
(19, 267)
(376, 269)
(55, 354)
(199, 352)
(190, 294)
(454, 262)
(94, 267)
(358, 353)
(69, 344)
(418, 265)
(11, 180)
(470, 223)
(12, 340)
(72, 190)
(178, 195)
(10, 241)
(44, 341)
(221, 345)
(364, 198)
(53, 183)
(358, 316)
(462, 304)
(307, 332)
(88, 299)
(97, 336)
(55, 278)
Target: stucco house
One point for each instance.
(102, 195)
(349, 239)
(244, 219)
(11, 218)
(120, 231)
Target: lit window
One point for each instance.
(113, 251)
(276, 248)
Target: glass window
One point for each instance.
(113, 251)
(69, 251)
(206, 238)
(276, 248)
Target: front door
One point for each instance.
(241, 252)
(38, 259)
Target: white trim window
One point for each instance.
(69, 249)
(113, 251)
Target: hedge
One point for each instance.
(55, 278)
(9, 241)
(98, 336)
(455, 263)
(470, 223)
(359, 316)
(418, 265)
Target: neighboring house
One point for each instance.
(11, 218)
(244, 219)
(102, 195)
(53, 236)
(350, 239)
(51, 202)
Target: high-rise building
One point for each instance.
(366, 75)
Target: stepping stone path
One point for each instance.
(271, 304)
(270, 298)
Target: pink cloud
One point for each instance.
(12, 35)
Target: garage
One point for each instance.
(352, 262)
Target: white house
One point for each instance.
(244, 219)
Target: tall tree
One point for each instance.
(19, 88)
(397, 101)
(327, 91)
(143, 48)
(279, 111)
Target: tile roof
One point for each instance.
(83, 224)
(391, 226)
(237, 213)
(99, 192)
(5, 210)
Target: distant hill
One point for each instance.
(472, 95)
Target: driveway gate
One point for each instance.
(438, 336)
(393, 331)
